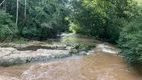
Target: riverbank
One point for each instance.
(36, 51)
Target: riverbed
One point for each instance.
(100, 63)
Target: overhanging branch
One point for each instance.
(2, 2)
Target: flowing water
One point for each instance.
(102, 63)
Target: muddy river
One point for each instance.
(102, 63)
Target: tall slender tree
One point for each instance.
(17, 13)
(5, 5)
(25, 12)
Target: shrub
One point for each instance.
(7, 27)
(74, 28)
(40, 33)
(131, 42)
(114, 28)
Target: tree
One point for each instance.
(101, 18)
(35, 18)
(17, 13)
(25, 12)
(8, 30)
(130, 42)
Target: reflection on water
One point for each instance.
(72, 39)
(100, 65)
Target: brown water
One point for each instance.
(99, 65)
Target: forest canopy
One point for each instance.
(37, 19)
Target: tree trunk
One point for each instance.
(25, 12)
(5, 6)
(17, 13)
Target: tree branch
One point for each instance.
(2, 2)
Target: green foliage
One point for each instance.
(7, 27)
(131, 42)
(74, 28)
(114, 28)
(19, 41)
(102, 18)
(44, 19)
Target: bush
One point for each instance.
(7, 27)
(114, 28)
(39, 33)
(131, 42)
(74, 28)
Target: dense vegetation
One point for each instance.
(7, 27)
(131, 42)
(37, 19)
(117, 21)
(101, 18)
